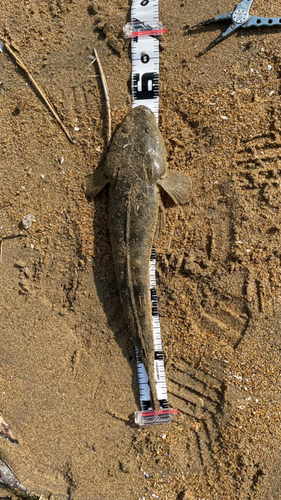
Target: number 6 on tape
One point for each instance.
(145, 54)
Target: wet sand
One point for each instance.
(67, 365)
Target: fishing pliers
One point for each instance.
(239, 18)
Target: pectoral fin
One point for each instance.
(95, 182)
(177, 185)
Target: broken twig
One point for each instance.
(91, 63)
(106, 98)
(42, 94)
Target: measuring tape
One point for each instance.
(148, 416)
(144, 30)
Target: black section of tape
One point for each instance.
(145, 92)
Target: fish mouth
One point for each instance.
(144, 111)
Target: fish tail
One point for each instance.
(153, 395)
(150, 373)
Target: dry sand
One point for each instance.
(67, 366)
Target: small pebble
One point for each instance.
(27, 221)
(21, 105)
(21, 264)
(124, 467)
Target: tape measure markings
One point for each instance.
(159, 369)
(145, 91)
(145, 58)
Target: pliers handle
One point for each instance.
(261, 22)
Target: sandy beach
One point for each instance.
(67, 364)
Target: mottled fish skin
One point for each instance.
(136, 160)
(135, 167)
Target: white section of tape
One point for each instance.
(145, 59)
(145, 10)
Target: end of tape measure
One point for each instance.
(143, 29)
(151, 417)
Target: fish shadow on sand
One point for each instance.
(107, 288)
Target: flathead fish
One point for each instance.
(136, 170)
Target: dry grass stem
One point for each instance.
(105, 88)
(91, 63)
(42, 94)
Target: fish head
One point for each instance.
(150, 143)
